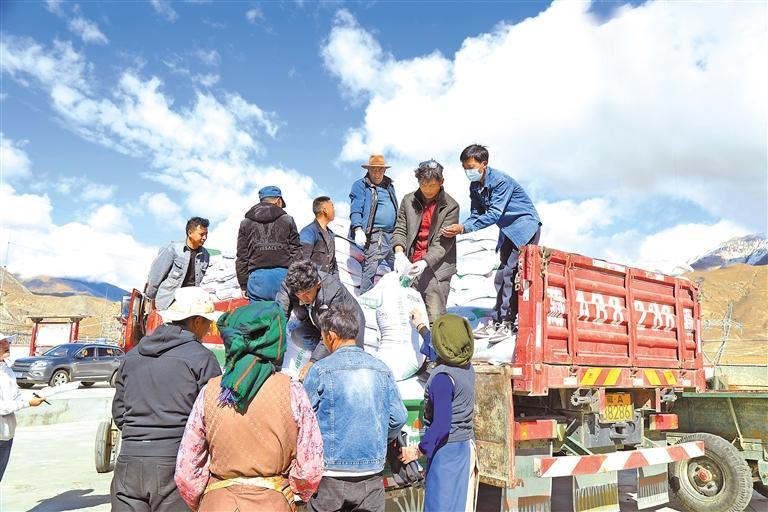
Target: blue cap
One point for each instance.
(271, 191)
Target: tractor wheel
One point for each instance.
(719, 481)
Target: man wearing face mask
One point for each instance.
(420, 249)
(496, 198)
(309, 293)
(373, 209)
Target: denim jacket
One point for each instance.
(358, 408)
(363, 199)
(168, 271)
(502, 201)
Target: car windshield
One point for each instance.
(59, 351)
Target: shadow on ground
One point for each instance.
(71, 500)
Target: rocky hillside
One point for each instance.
(17, 303)
(746, 286)
(65, 287)
(750, 249)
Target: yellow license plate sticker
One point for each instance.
(618, 407)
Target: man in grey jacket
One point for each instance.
(179, 264)
(420, 250)
(309, 293)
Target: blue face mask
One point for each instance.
(473, 174)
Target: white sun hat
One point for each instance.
(188, 302)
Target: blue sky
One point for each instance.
(636, 128)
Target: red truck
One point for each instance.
(601, 352)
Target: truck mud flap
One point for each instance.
(596, 493)
(531, 493)
(652, 486)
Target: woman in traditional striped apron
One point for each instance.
(252, 440)
(449, 441)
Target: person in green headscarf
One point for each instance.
(449, 441)
(252, 440)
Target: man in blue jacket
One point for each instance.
(359, 411)
(496, 198)
(372, 215)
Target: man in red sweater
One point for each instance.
(420, 249)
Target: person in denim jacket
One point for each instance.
(496, 198)
(372, 215)
(359, 410)
(179, 264)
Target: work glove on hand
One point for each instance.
(401, 263)
(417, 269)
(360, 237)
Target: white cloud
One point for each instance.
(254, 15)
(204, 151)
(208, 57)
(87, 30)
(164, 209)
(206, 80)
(54, 6)
(84, 189)
(98, 250)
(164, 9)
(14, 162)
(664, 98)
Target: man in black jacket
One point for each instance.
(309, 293)
(267, 244)
(156, 386)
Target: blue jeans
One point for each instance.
(377, 249)
(264, 283)
(506, 295)
(5, 453)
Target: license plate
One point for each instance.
(18, 375)
(618, 407)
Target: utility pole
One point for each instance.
(726, 324)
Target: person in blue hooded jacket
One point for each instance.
(496, 198)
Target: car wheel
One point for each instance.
(87, 384)
(59, 377)
(25, 385)
(113, 379)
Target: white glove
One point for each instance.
(360, 237)
(417, 269)
(401, 263)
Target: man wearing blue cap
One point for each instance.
(267, 243)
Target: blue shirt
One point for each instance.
(385, 211)
(502, 201)
(441, 395)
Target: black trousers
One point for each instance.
(358, 494)
(506, 298)
(145, 484)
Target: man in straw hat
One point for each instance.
(372, 215)
(252, 440)
(10, 402)
(157, 384)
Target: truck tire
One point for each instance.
(719, 481)
(113, 379)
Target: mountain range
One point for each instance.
(67, 287)
(750, 249)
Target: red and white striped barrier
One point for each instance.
(550, 467)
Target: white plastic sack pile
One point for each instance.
(497, 353)
(476, 262)
(397, 343)
(220, 278)
(349, 257)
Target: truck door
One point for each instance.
(133, 320)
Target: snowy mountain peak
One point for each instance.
(750, 249)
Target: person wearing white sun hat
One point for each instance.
(155, 389)
(10, 402)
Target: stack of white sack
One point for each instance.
(396, 342)
(495, 353)
(220, 278)
(349, 257)
(411, 388)
(476, 262)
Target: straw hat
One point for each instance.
(376, 161)
(188, 302)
